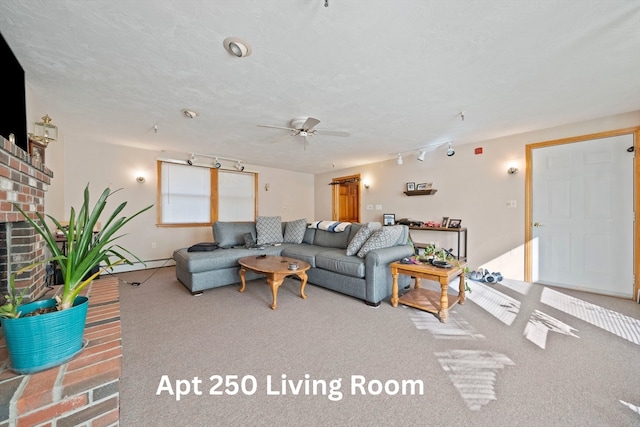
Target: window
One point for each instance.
(196, 196)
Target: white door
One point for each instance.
(582, 215)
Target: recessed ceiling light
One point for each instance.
(237, 47)
(189, 113)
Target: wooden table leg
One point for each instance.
(394, 287)
(242, 271)
(274, 281)
(303, 277)
(444, 300)
(461, 289)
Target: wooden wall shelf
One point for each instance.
(421, 192)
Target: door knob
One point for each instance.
(537, 224)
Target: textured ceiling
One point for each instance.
(395, 74)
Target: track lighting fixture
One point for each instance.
(421, 154)
(191, 159)
(450, 151)
(399, 161)
(239, 166)
(217, 164)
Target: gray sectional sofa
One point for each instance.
(366, 277)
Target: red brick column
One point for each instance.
(84, 390)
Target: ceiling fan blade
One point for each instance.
(278, 127)
(310, 123)
(332, 132)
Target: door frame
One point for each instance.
(528, 220)
(335, 194)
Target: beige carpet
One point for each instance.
(514, 355)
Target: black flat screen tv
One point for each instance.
(13, 119)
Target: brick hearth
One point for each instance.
(84, 391)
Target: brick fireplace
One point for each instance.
(23, 180)
(85, 390)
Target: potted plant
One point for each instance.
(29, 328)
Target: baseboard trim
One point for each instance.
(150, 264)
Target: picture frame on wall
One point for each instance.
(411, 186)
(388, 219)
(36, 150)
(445, 221)
(454, 223)
(421, 186)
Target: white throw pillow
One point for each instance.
(361, 237)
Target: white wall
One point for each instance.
(115, 166)
(474, 188)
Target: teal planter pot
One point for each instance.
(41, 342)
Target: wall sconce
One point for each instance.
(512, 170)
(45, 131)
(140, 179)
(366, 184)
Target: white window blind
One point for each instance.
(236, 196)
(186, 194)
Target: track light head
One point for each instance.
(421, 154)
(239, 166)
(217, 164)
(450, 151)
(399, 161)
(191, 159)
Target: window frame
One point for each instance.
(213, 196)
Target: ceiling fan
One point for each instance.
(304, 127)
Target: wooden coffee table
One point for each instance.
(425, 299)
(276, 268)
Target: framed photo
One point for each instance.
(411, 186)
(422, 186)
(388, 219)
(454, 223)
(445, 221)
(36, 150)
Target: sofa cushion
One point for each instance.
(231, 233)
(361, 236)
(198, 262)
(294, 231)
(309, 235)
(303, 252)
(338, 262)
(385, 237)
(330, 239)
(269, 229)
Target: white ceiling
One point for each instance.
(395, 74)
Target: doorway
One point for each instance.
(580, 227)
(346, 198)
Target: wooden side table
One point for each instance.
(425, 299)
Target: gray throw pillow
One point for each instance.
(294, 231)
(269, 229)
(382, 238)
(361, 237)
